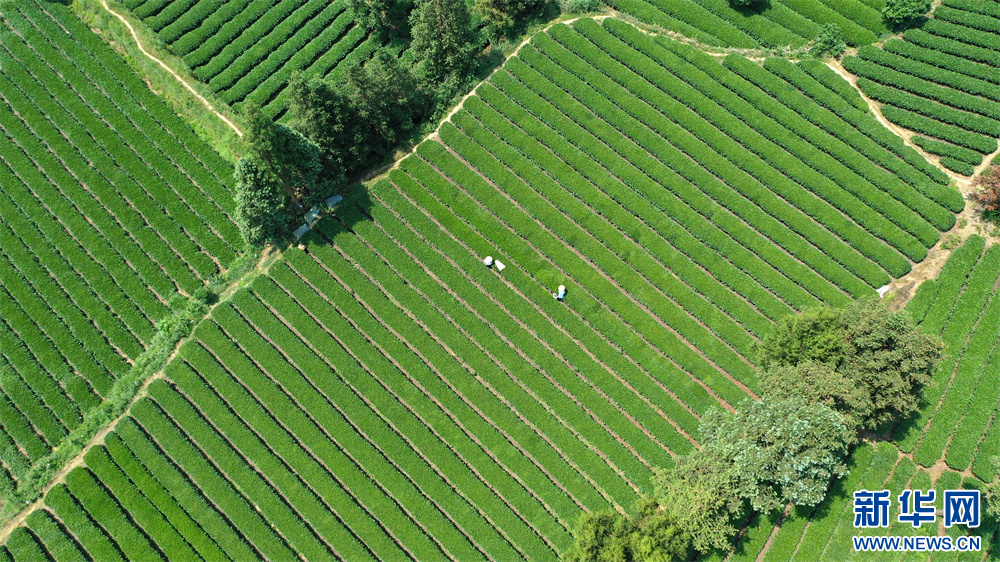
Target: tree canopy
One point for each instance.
(881, 360)
(653, 534)
(779, 451)
(260, 204)
(901, 12)
(444, 40)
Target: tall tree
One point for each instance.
(499, 16)
(700, 492)
(287, 158)
(387, 98)
(260, 204)
(444, 40)
(884, 357)
(325, 115)
(902, 12)
(889, 357)
(373, 15)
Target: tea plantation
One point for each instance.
(374, 390)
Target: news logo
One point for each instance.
(961, 507)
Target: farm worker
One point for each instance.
(561, 294)
(488, 261)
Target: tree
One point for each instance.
(829, 41)
(259, 204)
(815, 382)
(814, 335)
(499, 16)
(373, 15)
(653, 534)
(601, 536)
(881, 354)
(742, 3)
(444, 40)
(902, 12)
(889, 357)
(993, 491)
(987, 194)
(285, 157)
(387, 99)
(780, 451)
(699, 492)
(657, 535)
(326, 116)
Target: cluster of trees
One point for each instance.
(900, 13)
(337, 130)
(826, 375)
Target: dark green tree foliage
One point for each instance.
(260, 204)
(289, 159)
(651, 535)
(700, 493)
(902, 12)
(387, 99)
(889, 357)
(881, 355)
(373, 15)
(499, 16)
(444, 40)
(828, 42)
(814, 335)
(326, 116)
(779, 451)
(743, 3)
(816, 383)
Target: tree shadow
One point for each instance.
(355, 208)
(755, 8)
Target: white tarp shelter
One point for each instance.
(312, 215)
(332, 201)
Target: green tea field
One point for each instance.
(245, 50)
(374, 387)
(110, 206)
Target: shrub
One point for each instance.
(901, 12)
(829, 41)
(987, 194)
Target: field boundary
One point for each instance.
(173, 73)
(146, 359)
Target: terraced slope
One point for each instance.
(110, 205)
(941, 81)
(958, 424)
(771, 23)
(245, 50)
(824, 533)
(384, 395)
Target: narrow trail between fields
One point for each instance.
(183, 82)
(266, 259)
(966, 222)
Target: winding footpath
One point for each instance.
(183, 82)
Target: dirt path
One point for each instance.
(170, 70)
(967, 222)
